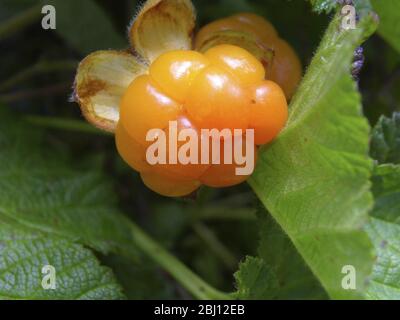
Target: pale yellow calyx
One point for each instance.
(161, 26)
(100, 83)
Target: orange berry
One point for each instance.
(237, 61)
(217, 101)
(245, 22)
(186, 149)
(269, 111)
(286, 68)
(145, 106)
(216, 26)
(222, 89)
(224, 174)
(175, 71)
(169, 186)
(259, 25)
(133, 153)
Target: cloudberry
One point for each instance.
(222, 89)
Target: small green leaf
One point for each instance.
(78, 274)
(255, 280)
(384, 230)
(385, 141)
(389, 16)
(85, 26)
(314, 179)
(39, 190)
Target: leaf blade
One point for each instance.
(42, 192)
(322, 201)
(78, 274)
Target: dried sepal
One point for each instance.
(244, 40)
(161, 26)
(100, 83)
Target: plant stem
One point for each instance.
(19, 22)
(219, 249)
(65, 124)
(190, 281)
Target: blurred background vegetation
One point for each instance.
(210, 233)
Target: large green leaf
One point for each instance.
(384, 230)
(389, 15)
(314, 179)
(40, 191)
(385, 140)
(78, 275)
(47, 212)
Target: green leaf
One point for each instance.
(384, 230)
(255, 280)
(385, 141)
(314, 179)
(389, 16)
(40, 191)
(78, 274)
(85, 26)
(294, 277)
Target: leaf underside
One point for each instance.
(78, 274)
